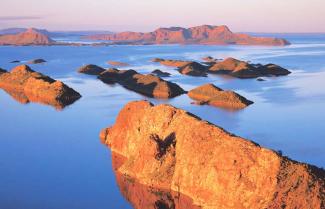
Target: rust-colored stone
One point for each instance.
(205, 34)
(26, 85)
(169, 148)
(212, 95)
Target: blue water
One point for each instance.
(53, 159)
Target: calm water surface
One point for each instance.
(53, 159)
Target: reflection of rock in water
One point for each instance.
(141, 196)
(26, 85)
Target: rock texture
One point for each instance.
(205, 34)
(91, 69)
(26, 85)
(149, 85)
(28, 37)
(171, 149)
(212, 95)
(160, 73)
(117, 64)
(242, 69)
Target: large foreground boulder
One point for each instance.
(242, 69)
(149, 85)
(26, 85)
(91, 69)
(212, 95)
(168, 148)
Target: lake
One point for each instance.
(52, 159)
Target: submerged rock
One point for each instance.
(212, 95)
(160, 73)
(149, 85)
(260, 79)
(118, 64)
(26, 85)
(15, 61)
(91, 70)
(241, 69)
(171, 149)
(36, 61)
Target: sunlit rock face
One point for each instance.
(242, 69)
(212, 95)
(29, 37)
(171, 149)
(26, 85)
(205, 34)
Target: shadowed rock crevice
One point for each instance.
(163, 145)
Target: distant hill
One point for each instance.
(53, 34)
(30, 36)
(205, 34)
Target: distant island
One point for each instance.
(205, 34)
(28, 37)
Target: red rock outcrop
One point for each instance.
(205, 34)
(91, 69)
(171, 149)
(242, 69)
(29, 37)
(149, 85)
(212, 95)
(26, 85)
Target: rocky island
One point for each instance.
(149, 85)
(212, 95)
(205, 34)
(169, 148)
(229, 66)
(28, 37)
(26, 85)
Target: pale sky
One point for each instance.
(147, 15)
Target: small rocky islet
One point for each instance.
(229, 66)
(26, 85)
(214, 168)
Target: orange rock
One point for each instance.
(91, 69)
(168, 148)
(205, 34)
(212, 95)
(29, 37)
(241, 69)
(149, 85)
(26, 85)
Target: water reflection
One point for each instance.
(141, 196)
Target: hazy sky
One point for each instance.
(145, 15)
